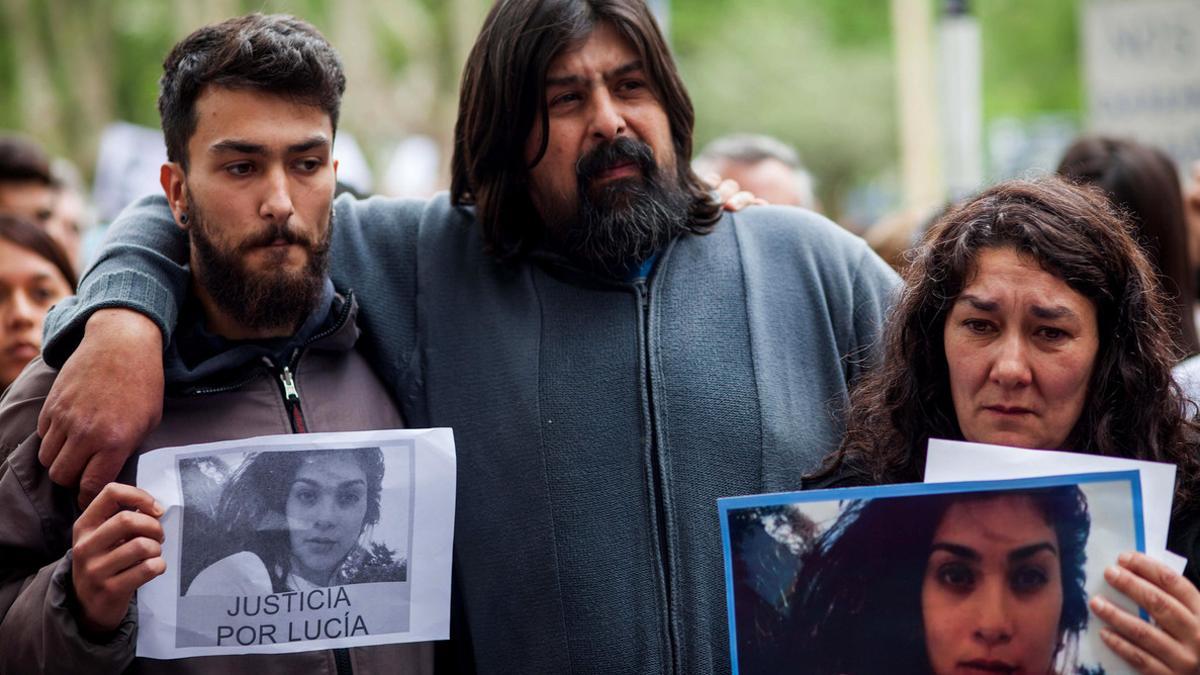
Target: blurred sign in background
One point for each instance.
(1142, 65)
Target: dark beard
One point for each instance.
(624, 221)
(264, 300)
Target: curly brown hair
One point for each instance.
(1133, 407)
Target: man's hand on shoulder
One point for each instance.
(105, 400)
(731, 195)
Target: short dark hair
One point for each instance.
(857, 604)
(22, 160)
(20, 232)
(504, 93)
(1142, 180)
(273, 53)
(1133, 407)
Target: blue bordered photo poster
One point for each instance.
(984, 576)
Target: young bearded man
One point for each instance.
(264, 346)
(612, 351)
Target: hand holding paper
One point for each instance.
(1172, 643)
(117, 547)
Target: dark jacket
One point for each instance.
(211, 397)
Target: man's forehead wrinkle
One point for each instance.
(562, 76)
(563, 80)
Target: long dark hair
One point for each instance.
(253, 505)
(1133, 407)
(857, 605)
(25, 234)
(1142, 180)
(504, 93)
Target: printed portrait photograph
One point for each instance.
(285, 536)
(952, 578)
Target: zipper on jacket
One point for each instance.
(291, 400)
(658, 475)
(333, 328)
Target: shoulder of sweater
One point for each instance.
(402, 213)
(786, 225)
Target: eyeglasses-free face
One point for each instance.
(1020, 347)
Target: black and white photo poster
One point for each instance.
(299, 542)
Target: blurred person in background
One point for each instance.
(1142, 181)
(27, 187)
(762, 165)
(72, 215)
(1191, 209)
(34, 274)
(899, 232)
(30, 189)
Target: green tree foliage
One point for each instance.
(70, 67)
(816, 73)
(1030, 57)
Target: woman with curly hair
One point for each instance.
(1031, 318)
(295, 522)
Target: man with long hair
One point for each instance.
(612, 352)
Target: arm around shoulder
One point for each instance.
(89, 427)
(141, 267)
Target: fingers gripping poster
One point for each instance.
(300, 542)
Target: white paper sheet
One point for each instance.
(951, 461)
(315, 569)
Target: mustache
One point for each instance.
(276, 232)
(622, 150)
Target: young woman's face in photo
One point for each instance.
(992, 593)
(1020, 347)
(326, 505)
